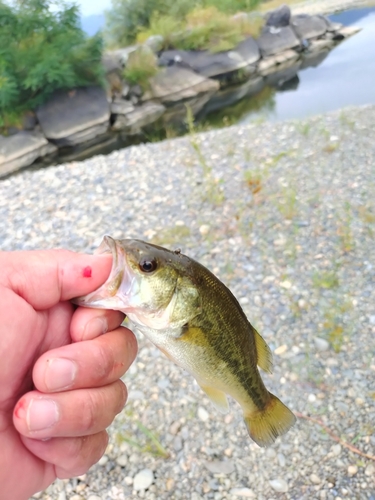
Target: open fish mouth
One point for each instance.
(120, 285)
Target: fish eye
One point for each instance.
(148, 265)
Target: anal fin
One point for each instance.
(264, 354)
(217, 398)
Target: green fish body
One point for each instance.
(195, 320)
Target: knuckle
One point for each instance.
(89, 414)
(104, 361)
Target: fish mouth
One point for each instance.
(115, 292)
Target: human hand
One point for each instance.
(59, 377)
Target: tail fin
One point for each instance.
(265, 426)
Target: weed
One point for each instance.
(253, 180)
(325, 279)
(304, 128)
(288, 204)
(213, 191)
(140, 67)
(149, 442)
(345, 120)
(344, 230)
(331, 147)
(334, 322)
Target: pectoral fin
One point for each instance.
(217, 398)
(264, 355)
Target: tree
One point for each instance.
(42, 49)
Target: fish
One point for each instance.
(196, 321)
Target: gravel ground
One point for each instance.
(328, 6)
(284, 213)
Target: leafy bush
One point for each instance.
(142, 64)
(43, 49)
(129, 18)
(203, 28)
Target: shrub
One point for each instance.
(43, 49)
(203, 28)
(140, 67)
(128, 18)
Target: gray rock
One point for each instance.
(121, 107)
(321, 344)
(220, 466)
(175, 84)
(72, 117)
(279, 17)
(176, 114)
(242, 492)
(307, 27)
(111, 61)
(278, 62)
(275, 40)
(231, 95)
(123, 54)
(21, 150)
(212, 65)
(155, 42)
(248, 50)
(143, 480)
(143, 115)
(279, 485)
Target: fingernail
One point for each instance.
(41, 414)
(60, 373)
(94, 328)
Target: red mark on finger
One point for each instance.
(20, 409)
(87, 272)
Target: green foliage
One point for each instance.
(129, 19)
(42, 49)
(141, 66)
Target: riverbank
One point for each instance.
(284, 214)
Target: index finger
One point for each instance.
(45, 277)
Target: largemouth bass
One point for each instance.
(195, 320)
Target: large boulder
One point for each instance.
(280, 17)
(175, 84)
(21, 150)
(274, 40)
(307, 27)
(135, 119)
(71, 117)
(213, 64)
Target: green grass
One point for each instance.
(325, 279)
(202, 28)
(141, 66)
(147, 443)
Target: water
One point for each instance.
(346, 77)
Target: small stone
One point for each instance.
(170, 484)
(279, 485)
(242, 492)
(311, 398)
(122, 460)
(220, 466)
(286, 284)
(143, 480)
(352, 470)
(315, 479)
(94, 497)
(336, 450)
(281, 349)
(370, 469)
(128, 480)
(281, 459)
(204, 229)
(321, 344)
(74, 497)
(203, 414)
(103, 460)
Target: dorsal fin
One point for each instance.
(264, 354)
